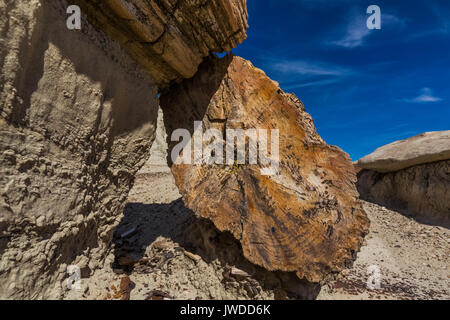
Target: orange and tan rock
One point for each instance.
(170, 38)
(306, 218)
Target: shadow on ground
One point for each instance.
(142, 224)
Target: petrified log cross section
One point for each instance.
(306, 218)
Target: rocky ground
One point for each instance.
(413, 260)
(163, 252)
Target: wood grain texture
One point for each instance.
(307, 218)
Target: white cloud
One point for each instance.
(294, 73)
(297, 73)
(357, 30)
(354, 37)
(310, 84)
(390, 20)
(426, 95)
(301, 67)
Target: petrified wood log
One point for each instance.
(306, 218)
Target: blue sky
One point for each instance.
(364, 88)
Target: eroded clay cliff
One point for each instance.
(77, 121)
(411, 175)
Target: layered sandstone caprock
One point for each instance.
(425, 148)
(170, 38)
(306, 218)
(411, 176)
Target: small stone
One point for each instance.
(40, 222)
(129, 259)
(192, 256)
(129, 232)
(239, 273)
(163, 244)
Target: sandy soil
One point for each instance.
(162, 252)
(412, 259)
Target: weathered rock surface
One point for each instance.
(77, 121)
(425, 148)
(307, 218)
(170, 38)
(422, 191)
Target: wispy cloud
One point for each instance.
(428, 33)
(356, 31)
(442, 15)
(297, 73)
(302, 67)
(426, 95)
(310, 84)
(439, 27)
(388, 19)
(355, 34)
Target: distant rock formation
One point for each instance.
(77, 120)
(305, 219)
(425, 148)
(412, 176)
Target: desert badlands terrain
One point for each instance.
(169, 263)
(93, 204)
